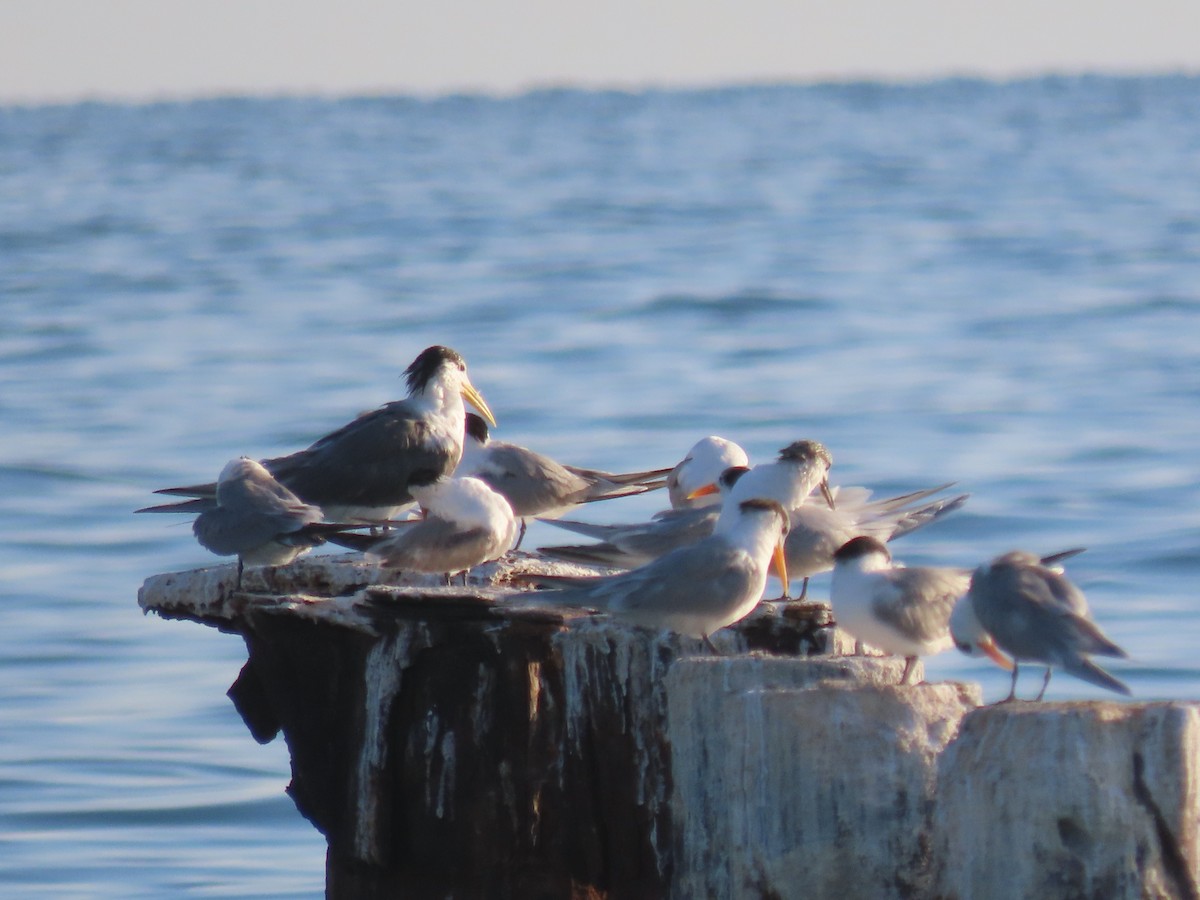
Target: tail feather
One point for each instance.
(193, 490)
(607, 555)
(1087, 670)
(919, 518)
(195, 505)
(644, 478)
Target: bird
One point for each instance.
(801, 467)
(630, 546)
(703, 464)
(692, 590)
(535, 484)
(818, 530)
(903, 611)
(259, 520)
(464, 523)
(362, 471)
(1030, 610)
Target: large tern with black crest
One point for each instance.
(363, 470)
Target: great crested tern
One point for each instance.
(362, 471)
(693, 590)
(1030, 610)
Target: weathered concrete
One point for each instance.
(448, 743)
(1071, 800)
(805, 778)
(452, 742)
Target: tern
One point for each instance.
(465, 523)
(703, 464)
(363, 470)
(536, 485)
(1032, 612)
(693, 590)
(801, 467)
(903, 611)
(630, 546)
(817, 531)
(257, 519)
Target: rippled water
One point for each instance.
(995, 284)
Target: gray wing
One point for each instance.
(697, 580)
(432, 545)
(532, 483)
(629, 546)
(1028, 619)
(369, 461)
(228, 532)
(929, 597)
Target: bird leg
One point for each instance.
(711, 646)
(1045, 684)
(520, 535)
(241, 567)
(858, 648)
(1012, 692)
(910, 663)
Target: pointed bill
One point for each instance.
(472, 396)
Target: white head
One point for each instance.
(704, 463)
(439, 374)
(863, 553)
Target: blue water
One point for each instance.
(994, 284)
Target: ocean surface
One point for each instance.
(992, 284)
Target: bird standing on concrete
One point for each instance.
(257, 519)
(897, 609)
(693, 590)
(464, 523)
(1023, 606)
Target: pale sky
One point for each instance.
(146, 49)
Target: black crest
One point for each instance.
(427, 364)
(861, 546)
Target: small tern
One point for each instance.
(903, 611)
(1025, 607)
(693, 590)
(465, 523)
(703, 464)
(363, 470)
(536, 485)
(257, 519)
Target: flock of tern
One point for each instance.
(696, 567)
